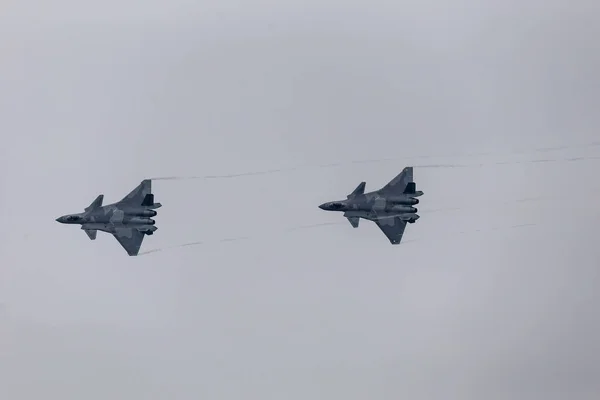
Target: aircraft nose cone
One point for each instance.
(323, 206)
(59, 219)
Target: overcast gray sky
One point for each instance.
(493, 294)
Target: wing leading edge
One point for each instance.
(399, 183)
(137, 195)
(392, 228)
(130, 238)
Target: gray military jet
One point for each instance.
(127, 220)
(389, 207)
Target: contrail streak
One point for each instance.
(334, 165)
(170, 248)
(343, 222)
(266, 172)
(450, 235)
(236, 239)
(445, 235)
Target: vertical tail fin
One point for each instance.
(411, 188)
(149, 201)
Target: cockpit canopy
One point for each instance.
(335, 205)
(73, 218)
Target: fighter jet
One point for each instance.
(127, 220)
(389, 207)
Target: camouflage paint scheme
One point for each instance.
(127, 220)
(390, 207)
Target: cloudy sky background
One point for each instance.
(493, 293)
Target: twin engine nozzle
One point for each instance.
(403, 209)
(411, 201)
(142, 221)
(145, 213)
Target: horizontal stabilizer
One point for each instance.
(96, 203)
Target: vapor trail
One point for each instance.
(445, 235)
(296, 228)
(342, 222)
(334, 165)
(266, 172)
(170, 248)
(450, 235)
(236, 239)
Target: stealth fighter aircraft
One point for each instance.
(390, 207)
(127, 220)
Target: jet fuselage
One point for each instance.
(374, 202)
(110, 217)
